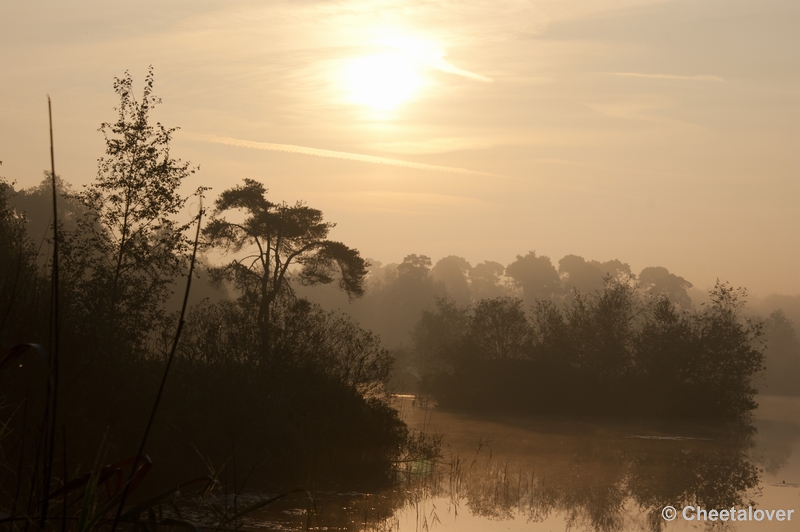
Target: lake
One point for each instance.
(553, 474)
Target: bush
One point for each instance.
(614, 352)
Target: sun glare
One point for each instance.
(382, 80)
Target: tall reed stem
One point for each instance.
(52, 383)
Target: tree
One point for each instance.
(485, 280)
(18, 279)
(453, 271)
(588, 277)
(417, 267)
(276, 236)
(600, 330)
(129, 248)
(36, 204)
(13, 240)
(439, 334)
(585, 277)
(657, 280)
(536, 276)
(500, 329)
(782, 375)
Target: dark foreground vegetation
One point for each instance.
(263, 388)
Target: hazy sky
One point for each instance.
(659, 133)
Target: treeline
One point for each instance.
(263, 386)
(396, 294)
(614, 352)
(399, 295)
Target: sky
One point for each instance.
(660, 133)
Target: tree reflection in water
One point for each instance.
(599, 477)
(601, 485)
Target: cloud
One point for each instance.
(669, 76)
(393, 197)
(317, 152)
(435, 145)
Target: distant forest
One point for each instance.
(419, 308)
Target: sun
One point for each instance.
(382, 80)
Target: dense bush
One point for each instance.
(613, 352)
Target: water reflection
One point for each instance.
(560, 474)
(599, 483)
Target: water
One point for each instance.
(553, 474)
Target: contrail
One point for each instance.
(440, 64)
(669, 76)
(432, 58)
(317, 152)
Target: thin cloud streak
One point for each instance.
(669, 76)
(317, 152)
(432, 58)
(448, 68)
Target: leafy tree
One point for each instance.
(601, 328)
(500, 329)
(665, 350)
(485, 280)
(580, 275)
(731, 352)
(18, 279)
(415, 266)
(782, 375)
(276, 236)
(536, 276)
(437, 332)
(129, 248)
(453, 272)
(658, 280)
(13, 241)
(36, 204)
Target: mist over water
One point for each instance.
(506, 472)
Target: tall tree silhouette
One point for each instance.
(128, 248)
(274, 236)
(536, 276)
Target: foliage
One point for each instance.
(613, 352)
(129, 247)
(536, 276)
(277, 236)
(782, 376)
(35, 204)
(396, 295)
(485, 280)
(306, 336)
(659, 281)
(22, 289)
(454, 273)
(436, 335)
(587, 277)
(499, 329)
(314, 412)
